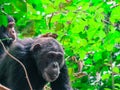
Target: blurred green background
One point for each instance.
(89, 31)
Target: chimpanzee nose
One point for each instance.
(55, 65)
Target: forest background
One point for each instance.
(89, 31)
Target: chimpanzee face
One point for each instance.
(11, 30)
(49, 58)
(53, 61)
(8, 34)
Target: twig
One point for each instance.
(14, 58)
(115, 5)
(50, 20)
(2, 7)
(3, 87)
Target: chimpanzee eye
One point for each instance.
(59, 56)
(10, 25)
(51, 55)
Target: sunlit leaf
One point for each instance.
(97, 56)
(21, 5)
(105, 76)
(107, 89)
(117, 85)
(115, 70)
(115, 17)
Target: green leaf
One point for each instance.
(83, 42)
(109, 47)
(83, 35)
(118, 57)
(58, 26)
(110, 40)
(115, 70)
(101, 34)
(3, 20)
(105, 76)
(117, 85)
(82, 54)
(88, 61)
(71, 71)
(20, 4)
(9, 8)
(115, 14)
(107, 89)
(96, 1)
(91, 32)
(97, 56)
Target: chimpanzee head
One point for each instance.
(49, 57)
(8, 34)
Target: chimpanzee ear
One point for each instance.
(35, 47)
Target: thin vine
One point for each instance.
(14, 58)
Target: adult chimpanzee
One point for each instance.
(44, 61)
(7, 35)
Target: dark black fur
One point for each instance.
(5, 36)
(39, 56)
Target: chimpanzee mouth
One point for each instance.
(50, 77)
(54, 76)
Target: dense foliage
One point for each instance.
(89, 30)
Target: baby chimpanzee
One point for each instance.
(7, 35)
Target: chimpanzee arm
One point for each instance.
(62, 83)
